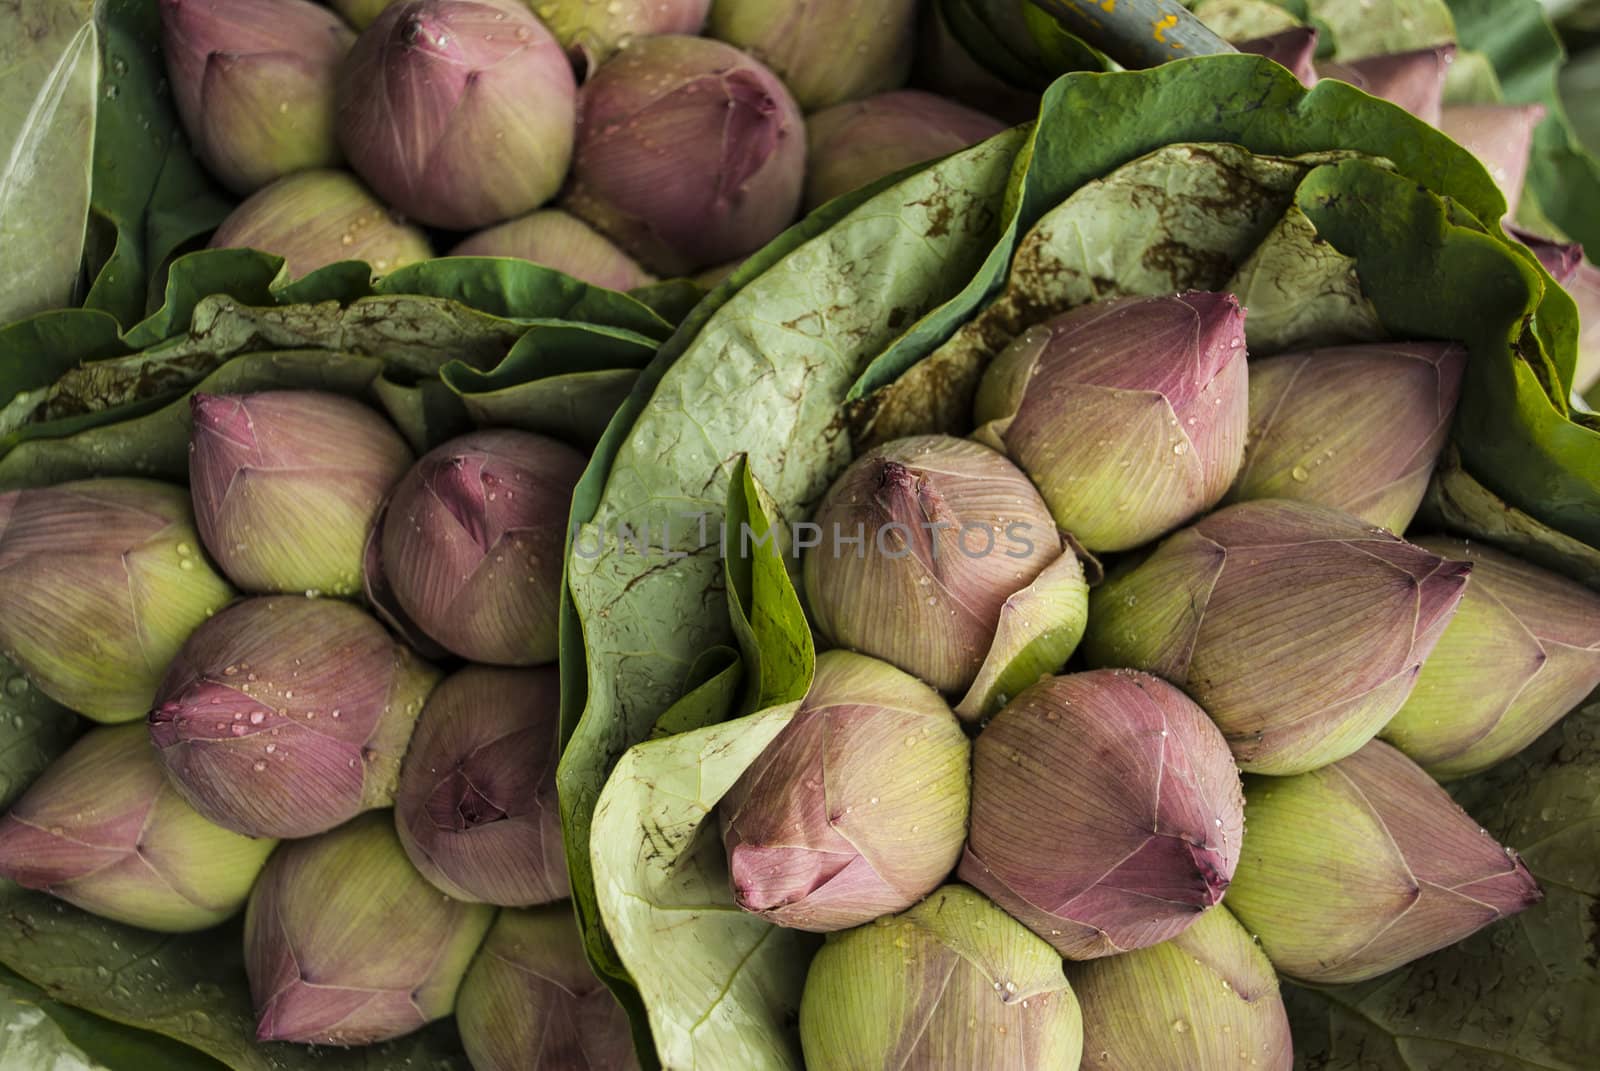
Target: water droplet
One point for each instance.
(1299, 474)
(1180, 1026)
(16, 686)
(259, 765)
(257, 717)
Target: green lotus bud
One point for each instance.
(101, 581)
(1360, 867)
(1522, 650)
(1203, 1001)
(476, 807)
(562, 241)
(360, 13)
(690, 153)
(458, 112)
(857, 809)
(952, 983)
(346, 944)
(317, 218)
(825, 53)
(920, 542)
(1357, 428)
(1106, 812)
(1292, 48)
(1500, 136)
(284, 716)
(531, 1003)
(1299, 629)
(286, 485)
(102, 829)
(253, 81)
(1128, 415)
(1414, 80)
(593, 31)
(473, 542)
(853, 144)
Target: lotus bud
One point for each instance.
(1414, 80)
(101, 581)
(360, 13)
(825, 53)
(1357, 428)
(473, 543)
(1293, 48)
(284, 716)
(286, 485)
(1500, 136)
(853, 144)
(476, 807)
(1560, 259)
(317, 218)
(953, 982)
(458, 112)
(594, 31)
(380, 597)
(562, 241)
(253, 81)
(346, 944)
(1298, 628)
(1522, 650)
(947, 531)
(531, 1003)
(102, 829)
(1106, 812)
(1206, 999)
(1128, 415)
(857, 808)
(690, 153)
(1358, 868)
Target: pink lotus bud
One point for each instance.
(857, 808)
(1293, 48)
(101, 581)
(921, 542)
(944, 65)
(826, 52)
(1499, 135)
(317, 218)
(1360, 867)
(530, 1001)
(253, 80)
(284, 716)
(1298, 628)
(101, 828)
(562, 241)
(859, 142)
(1414, 80)
(1561, 259)
(286, 485)
(473, 542)
(1106, 812)
(1584, 286)
(1357, 428)
(689, 153)
(1128, 415)
(476, 807)
(345, 944)
(1522, 651)
(458, 112)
